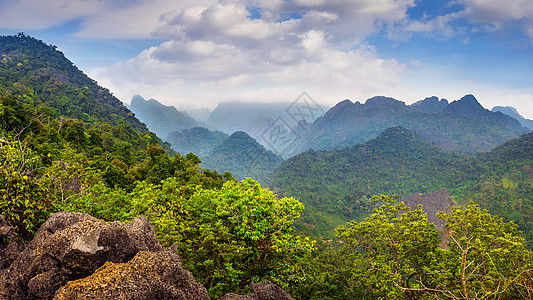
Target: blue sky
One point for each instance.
(198, 53)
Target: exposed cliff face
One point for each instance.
(76, 256)
(434, 202)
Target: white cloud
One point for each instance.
(31, 14)
(497, 11)
(217, 52)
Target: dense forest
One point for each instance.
(68, 144)
(338, 184)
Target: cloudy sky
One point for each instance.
(196, 53)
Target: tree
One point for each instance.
(395, 254)
(236, 235)
(23, 198)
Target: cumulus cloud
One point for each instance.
(218, 51)
(31, 14)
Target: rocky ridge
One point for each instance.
(76, 256)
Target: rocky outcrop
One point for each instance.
(261, 291)
(76, 256)
(69, 246)
(5, 229)
(149, 275)
(434, 202)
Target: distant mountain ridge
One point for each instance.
(462, 126)
(160, 118)
(512, 112)
(242, 156)
(198, 140)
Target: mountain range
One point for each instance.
(512, 112)
(160, 118)
(462, 126)
(242, 156)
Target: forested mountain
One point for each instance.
(65, 147)
(160, 118)
(512, 112)
(243, 157)
(199, 140)
(67, 144)
(40, 76)
(462, 126)
(335, 185)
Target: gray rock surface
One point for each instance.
(69, 246)
(265, 290)
(149, 275)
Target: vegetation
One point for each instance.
(242, 156)
(67, 144)
(96, 160)
(198, 140)
(396, 253)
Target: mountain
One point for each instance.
(512, 112)
(430, 105)
(242, 156)
(199, 140)
(462, 126)
(40, 76)
(259, 120)
(336, 185)
(160, 118)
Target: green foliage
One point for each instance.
(395, 254)
(198, 140)
(24, 201)
(227, 237)
(337, 185)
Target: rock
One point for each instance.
(70, 246)
(9, 252)
(434, 202)
(265, 290)
(5, 229)
(149, 275)
(268, 291)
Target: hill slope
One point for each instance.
(39, 75)
(160, 118)
(335, 185)
(512, 112)
(462, 126)
(198, 140)
(243, 156)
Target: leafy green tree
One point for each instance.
(390, 247)
(395, 254)
(24, 199)
(227, 237)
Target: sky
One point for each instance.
(197, 53)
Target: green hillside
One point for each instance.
(336, 185)
(242, 156)
(198, 140)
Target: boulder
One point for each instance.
(434, 202)
(149, 275)
(265, 290)
(69, 246)
(5, 229)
